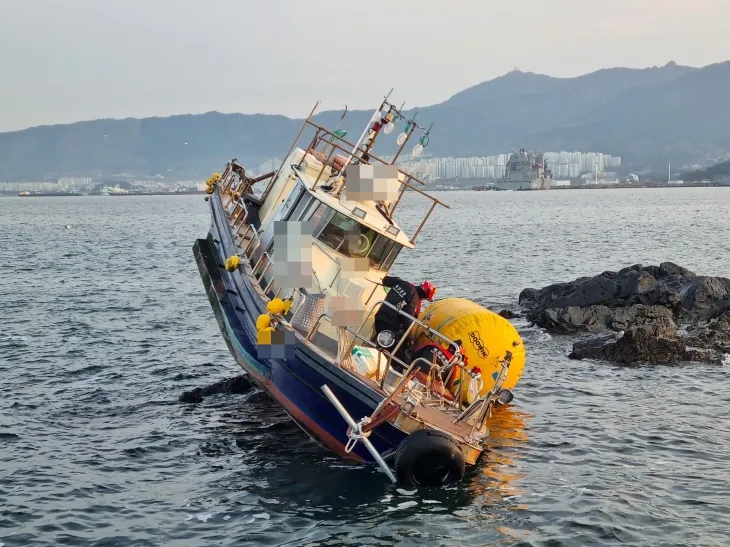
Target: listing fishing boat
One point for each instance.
(294, 266)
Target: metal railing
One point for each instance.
(408, 367)
(360, 153)
(482, 407)
(456, 358)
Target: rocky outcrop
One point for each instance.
(644, 304)
(600, 318)
(651, 344)
(714, 335)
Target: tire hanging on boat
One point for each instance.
(428, 458)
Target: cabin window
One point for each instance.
(321, 216)
(351, 238)
(383, 252)
(391, 256)
(301, 206)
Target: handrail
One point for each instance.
(408, 368)
(242, 204)
(358, 148)
(390, 354)
(414, 320)
(484, 404)
(315, 327)
(258, 263)
(402, 182)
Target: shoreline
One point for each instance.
(587, 187)
(76, 195)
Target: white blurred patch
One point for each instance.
(372, 183)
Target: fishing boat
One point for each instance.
(294, 266)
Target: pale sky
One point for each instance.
(64, 61)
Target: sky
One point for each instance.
(73, 60)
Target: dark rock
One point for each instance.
(507, 314)
(705, 298)
(237, 384)
(645, 344)
(703, 356)
(638, 314)
(527, 297)
(715, 335)
(689, 297)
(192, 396)
(599, 318)
(645, 304)
(668, 269)
(574, 319)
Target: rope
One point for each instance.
(357, 435)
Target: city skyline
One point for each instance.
(569, 164)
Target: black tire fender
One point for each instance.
(429, 458)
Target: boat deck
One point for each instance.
(432, 412)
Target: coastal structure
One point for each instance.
(526, 171)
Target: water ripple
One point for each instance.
(104, 325)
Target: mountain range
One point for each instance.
(647, 116)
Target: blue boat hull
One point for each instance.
(296, 382)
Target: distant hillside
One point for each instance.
(647, 116)
(720, 169)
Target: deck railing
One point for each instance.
(330, 142)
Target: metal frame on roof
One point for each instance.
(331, 142)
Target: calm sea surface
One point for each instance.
(103, 325)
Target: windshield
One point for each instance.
(349, 237)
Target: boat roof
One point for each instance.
(374, 219)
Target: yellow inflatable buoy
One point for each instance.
(276, 305)
(232, 262)
(263, 321)
(209, 190)
(486, 338)
(213, 180)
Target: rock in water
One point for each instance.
(599, 318)
(650, 344)
(690, 297)
(644, 344)
(237, 384)
(647, 304)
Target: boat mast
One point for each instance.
(340, 182)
